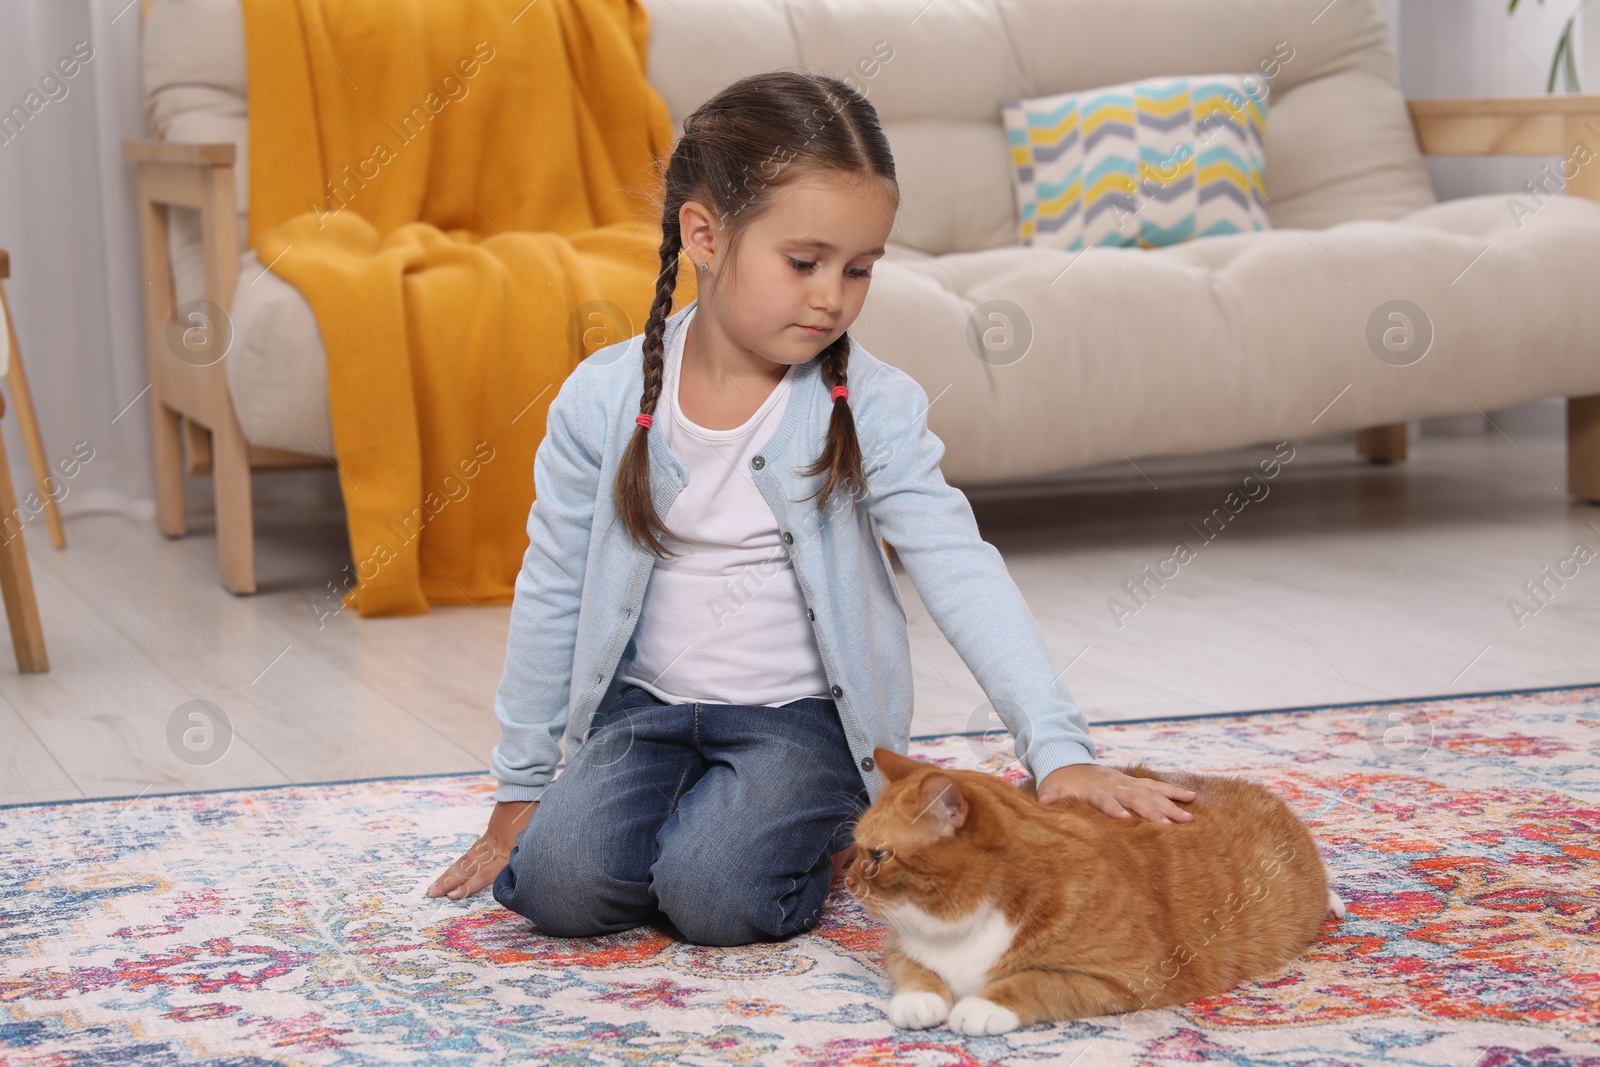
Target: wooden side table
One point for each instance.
(16, 581)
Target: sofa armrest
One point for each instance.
(1567, 126)
(212, 155)
(191, 175)
(188, 383)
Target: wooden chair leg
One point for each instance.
(28, 423)
(230, 452)
(1583, 447)
(166, 466)
(196, 448)
(1383, 444)
(16, 581)
(230, 475)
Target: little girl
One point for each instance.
(725, 700)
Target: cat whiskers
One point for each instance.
(867, 867)
(851, 823)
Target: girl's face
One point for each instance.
(805, 262)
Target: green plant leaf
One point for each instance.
(1571, 57)
(1565, 59)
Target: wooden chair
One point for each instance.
(16, 581)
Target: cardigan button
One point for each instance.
(811, 615)
(757, 462)
(788, 538)
(866, 763)
(836, 691)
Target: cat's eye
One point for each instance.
(876, 855)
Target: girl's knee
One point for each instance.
(564, 895)
(713, 919)
(522, 887)
(544, 895)
(717, 907)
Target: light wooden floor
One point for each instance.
(1347, 582)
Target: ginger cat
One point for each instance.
(1004, 912)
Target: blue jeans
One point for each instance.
(720, 820)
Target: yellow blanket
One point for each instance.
(449, 182)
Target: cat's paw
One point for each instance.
(1335, 905)
(975, 1016)
(917, 1009)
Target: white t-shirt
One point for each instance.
(725, 621)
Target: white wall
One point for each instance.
(1589, 28)
(1391, 11)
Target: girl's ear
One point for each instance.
(893, 765)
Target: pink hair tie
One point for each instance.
(643, 420)
(839, 391)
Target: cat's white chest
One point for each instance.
(960, 951)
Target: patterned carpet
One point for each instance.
(288, 926)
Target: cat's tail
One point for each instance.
(1335, 905)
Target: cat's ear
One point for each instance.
(893, 765)
(940, 799)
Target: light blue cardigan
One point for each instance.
(582, 581)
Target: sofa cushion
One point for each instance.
(1147, 163)
(278, 366)
(1193, 348)
(1339, 146)
(1240, 339)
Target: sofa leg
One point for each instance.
(166, 458)
(230, 476)
(1383, 444)
(1583, 447)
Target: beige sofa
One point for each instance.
(1217, 343)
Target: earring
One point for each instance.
(704, 267)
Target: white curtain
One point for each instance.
(67, 219)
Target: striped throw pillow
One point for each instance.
(1147, 163)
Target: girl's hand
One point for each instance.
(1114, 792)
(482, 863)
